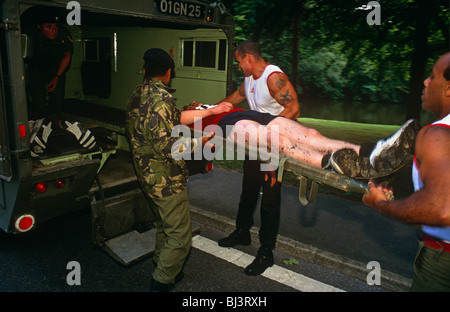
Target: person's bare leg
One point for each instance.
(311, 138)
(262, 137)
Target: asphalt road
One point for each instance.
(38, 262)
(331, 229)
(344, 229)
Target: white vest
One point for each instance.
(442, 233)
(258, 95)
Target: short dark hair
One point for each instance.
(153, 69)
(157, 62)
(249, 47)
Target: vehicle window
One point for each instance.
(204, 53)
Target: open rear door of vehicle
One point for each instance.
(5, 161)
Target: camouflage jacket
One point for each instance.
(151, 116)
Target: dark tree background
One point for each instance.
(330, 51)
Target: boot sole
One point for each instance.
(393, 155)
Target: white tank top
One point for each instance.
(258, 95)
(442, 233)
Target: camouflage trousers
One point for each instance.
(173, 235)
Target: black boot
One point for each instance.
(263, 260)
(160, 287)
(238, 237)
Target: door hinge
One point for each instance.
(7, 26)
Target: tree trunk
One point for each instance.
(295, 52)
(419, 60)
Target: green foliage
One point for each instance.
(291, 261)
(340, 55)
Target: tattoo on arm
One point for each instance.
(287, 97)
(281, 83)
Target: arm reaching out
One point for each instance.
(188, 116)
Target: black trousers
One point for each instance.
(270, 204)
(40, 75)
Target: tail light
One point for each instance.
(22, 131)
(60, 183)
(210, 15)
(24, 223)
(41, 187)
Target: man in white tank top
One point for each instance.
(257, 92)
(267, 90)
(429, 205)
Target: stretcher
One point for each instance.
(306, 174)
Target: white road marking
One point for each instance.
(276, 273)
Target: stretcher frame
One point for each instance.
(304, 172)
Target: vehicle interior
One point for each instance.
(107, 65)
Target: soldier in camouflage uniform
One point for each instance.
(151, 116)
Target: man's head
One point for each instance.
(157, 62)
(249, 47)
(47, 23)
(247, 53)
(436, 94)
